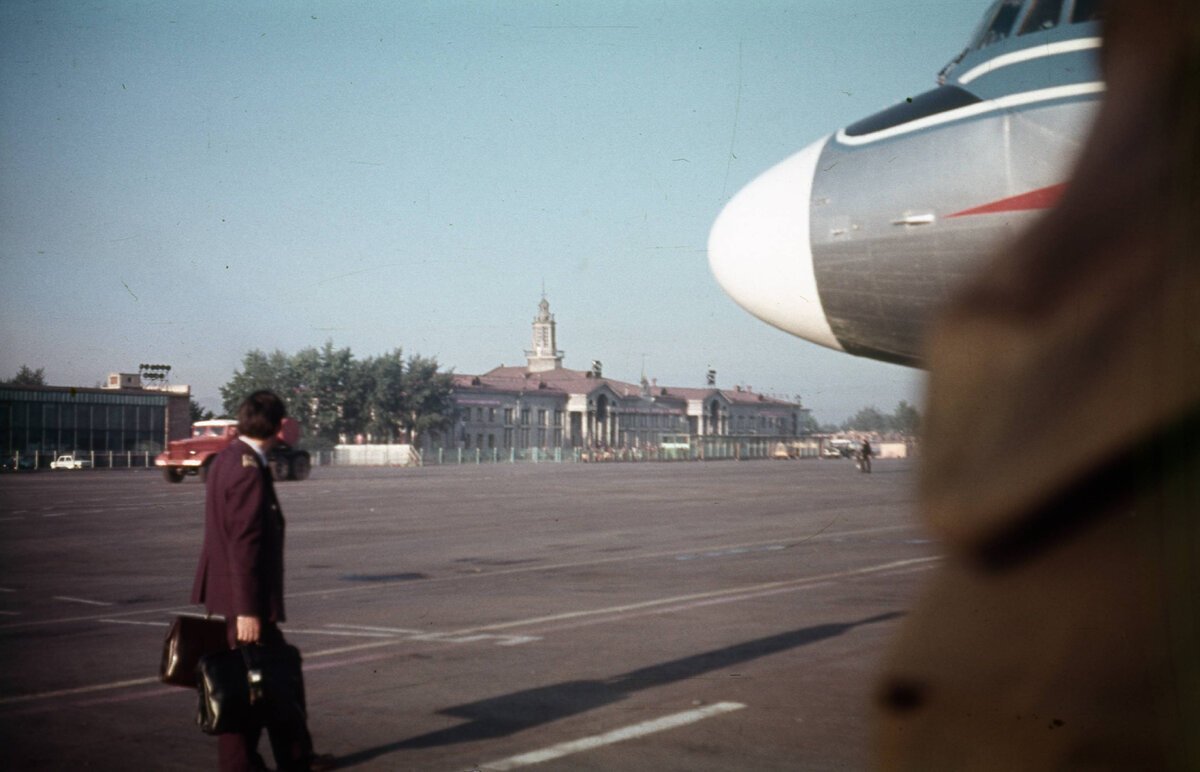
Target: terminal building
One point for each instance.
(122, 416)
(545, 405)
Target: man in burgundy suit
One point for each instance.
(240, 575)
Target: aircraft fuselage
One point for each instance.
(856, 239)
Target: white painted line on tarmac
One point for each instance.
(754, 588)
(368, 628)
(662, 605)
(516, 640)
(357, 647)
(469, 577)
(788, 544)
(409, 634)
(341, 633)
(133, 622)
(80, 690)
(84, 601)
(724, 553)
(615, 736)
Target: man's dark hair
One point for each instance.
(261, 415)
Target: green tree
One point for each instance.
(428, 406)
(198, 413)
(385, 399)
(906, 419)
(260, 371)
(28, 377)
(328, 399)
(869, 419)
(333, 396)
(808, 424)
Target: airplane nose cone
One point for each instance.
(760, 253)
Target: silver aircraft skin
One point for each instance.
(853, 241)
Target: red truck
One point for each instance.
(193, 455)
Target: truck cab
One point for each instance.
(193, 455)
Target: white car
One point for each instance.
(70, 462)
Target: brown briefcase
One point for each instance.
(189, 639)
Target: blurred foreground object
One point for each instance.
(1062, 458)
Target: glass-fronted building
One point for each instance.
(55, 419)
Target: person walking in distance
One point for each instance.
(864, 457)
(240, 574)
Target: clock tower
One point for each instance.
(545, 354)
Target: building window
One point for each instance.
(508, 415)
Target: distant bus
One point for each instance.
(675, 442)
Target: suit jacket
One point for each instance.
(241, 565)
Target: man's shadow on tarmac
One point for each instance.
(511, 713)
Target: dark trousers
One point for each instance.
(291, 744)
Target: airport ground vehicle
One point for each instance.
(193, 455)
(69, 461)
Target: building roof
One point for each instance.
(743, 396)
(23, 392)
(560, 379)
(564, 381)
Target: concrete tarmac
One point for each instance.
(681, 616)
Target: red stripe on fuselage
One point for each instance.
(1044, 198)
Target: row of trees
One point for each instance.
(27, 377)
(335, 396)
(906, 420)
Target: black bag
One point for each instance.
(189, 639)
(250, 686)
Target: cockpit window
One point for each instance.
(1001, 25)
(932, 102)
(1042, 16)
(1087, 10)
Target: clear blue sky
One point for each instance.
(181, 182)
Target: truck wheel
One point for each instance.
(172, 474)
(279, 468)
(301, 466)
